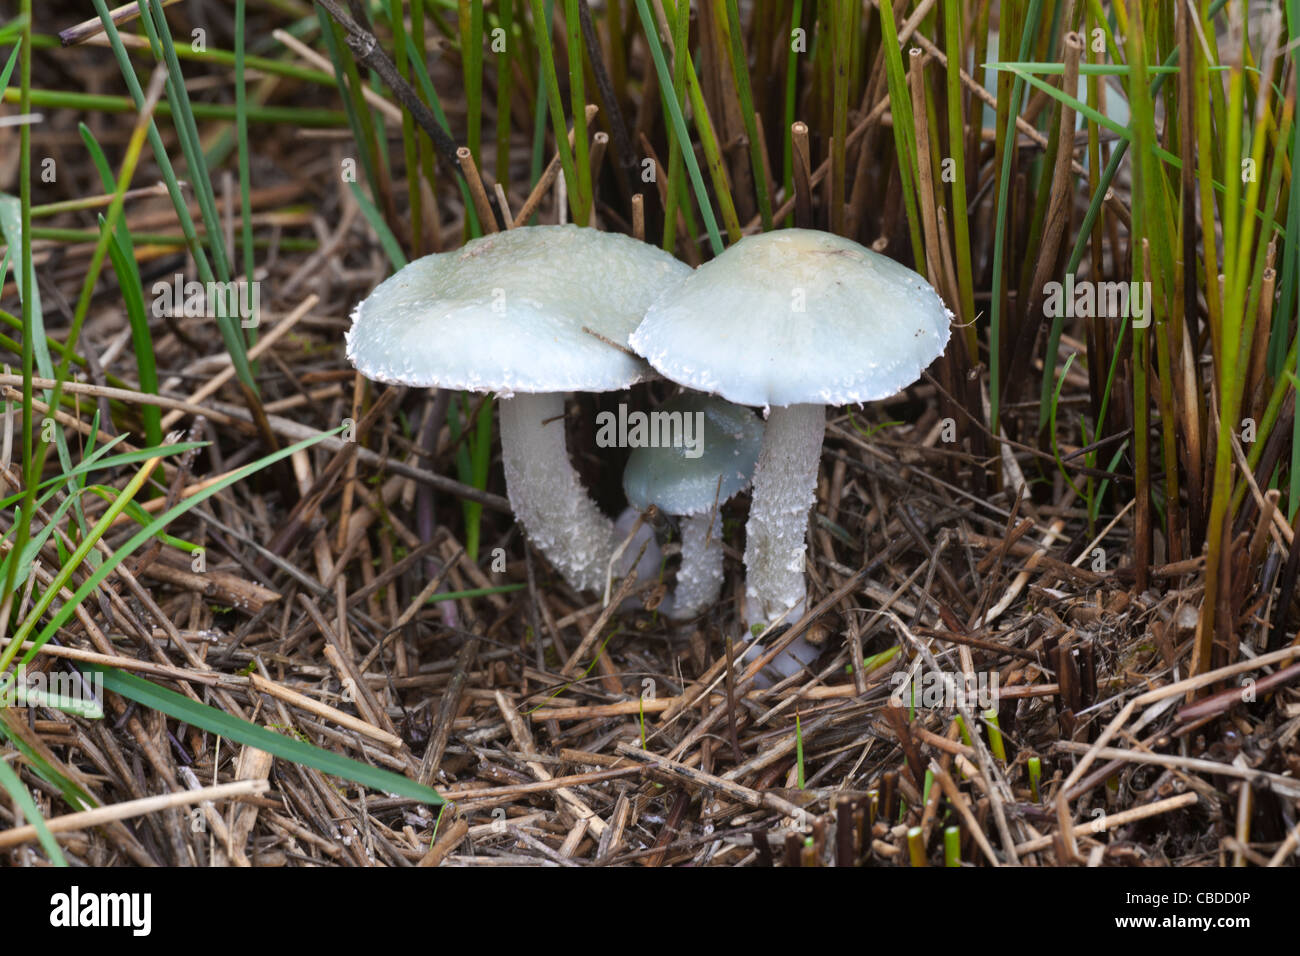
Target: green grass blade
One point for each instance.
(8, 70)
(674, 202)
(542, 37)
(96, 462)
(791, 86)
(155, 24)
(124, 550)
(537, 158)
(73, 795)
(505, 87)
(960, 221)
(24, 802)
(392, 248)
(410, 143)
(245, 174)
(474, 593)
(265, 115)
(470, 22)
(181, 708)
(679, 124)
(230, 333)
(357, 114)
(435, 104)
(709, 146)
(578, 107)
(1000, 231)
(904, 133)
(740, 71)
(33, 332)
(141, 339)
(122, 255)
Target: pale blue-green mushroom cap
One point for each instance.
(796, 316)
(681, 485)
(507, 313)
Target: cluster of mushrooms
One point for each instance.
(787, 321)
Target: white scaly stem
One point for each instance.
(547, 496)
(785, 484)
(699, 577)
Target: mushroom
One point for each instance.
(792, 320)
(692, 479)
(530, 314)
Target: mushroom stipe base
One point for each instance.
(547, 495)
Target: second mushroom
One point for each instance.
(692, 479)
(792, 321)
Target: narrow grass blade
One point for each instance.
(179, 707)
(123, 551)
(230, 333)
(392, 248)
(679, 123)
(23, 800)
(245, 176)
(999, 238)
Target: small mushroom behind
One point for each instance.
(692, 478)
(792, 320)
(647, 566)
(632, 534)
(529, 314)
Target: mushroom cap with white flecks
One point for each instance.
(680, 485)
(796, 316)
(507, 313)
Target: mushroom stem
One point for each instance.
(785, 483)
(647, 569)
(547, 496)
(699, 577)
(789, 662)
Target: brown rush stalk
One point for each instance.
(900, 110)
(625, 158)
(861, 202)
(925, 179)
(669, 191)
(469, 20)
(718, 85)
(1168, 418)
(366, 49)
(842, 38)
(577, 105)
(1239, 214)
(542, 37)
(803, 213)
(481, 205)
(709, 145)
(1056, 224)
(546, 180)
(753, 126)
(964, 303)
(410, 146)
(35, 455)
(1145, 179)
